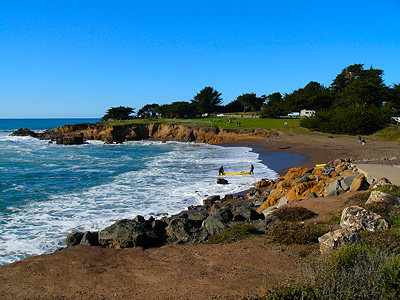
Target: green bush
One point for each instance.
(292, 292)
(293, 213)
(294, 233)
(350, 119)
(389, 189)
(235, 233)
(388, 240)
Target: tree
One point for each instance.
(148, 111)
(347, 75)
(274, 107)
(313, 96)
(233, 106)
(207, 100)
(118, 113)
(367, 89)
(177, 109)
(250, 101)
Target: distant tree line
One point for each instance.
(357, 102)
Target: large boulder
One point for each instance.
(359, 183)
(358, 218)
(24, 132)
(265, 224)
(218, 221)
(186, 228)
(127, 233)
(294, 173)
(338, 238)
(346, 182)
(245, 213)
(381, 197)
(210, 200)
(90, 238)
(74, 238)
(222, 181)
(334, 188)
(380, 182)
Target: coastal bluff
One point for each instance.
(78, 133)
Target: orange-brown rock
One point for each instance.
(317, 171)
(300, 191)
(263, 183)
(297, 172)
(281, 190)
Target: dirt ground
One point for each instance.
(232, 271)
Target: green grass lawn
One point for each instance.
(245, 123)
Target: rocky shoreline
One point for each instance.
(79, 133)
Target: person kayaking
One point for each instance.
(221, 170)
(251, 168)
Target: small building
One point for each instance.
(294, 114)
(307, 113)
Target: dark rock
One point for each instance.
(218, 221)
(159, 226)
(265, 224)
(24, 132)
(222, 181)
(140, 219)
(214, 207)
(69, 140)
(210, 200)
(245, 213)
(73, 239)
(186, 228)
(90, 239)
(129, 233)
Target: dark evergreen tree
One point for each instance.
(250, 102)
(148, 111)
(207, 100)
(118, 113)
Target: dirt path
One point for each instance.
(391, 172)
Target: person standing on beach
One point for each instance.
(221, 170)
(359, 139)
(363, 142)
(251, 168)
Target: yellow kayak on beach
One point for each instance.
(320, 165)
(237, 173)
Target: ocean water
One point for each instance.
(48, 190)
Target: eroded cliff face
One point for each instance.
(135, 132)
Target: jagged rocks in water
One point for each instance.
(70, 140)
(186, 228)
(358, 218)
(24, 132)
(218, 221)
(90, 238)
(222, 181)
(338, 238)
(130, 233)
(74, 238)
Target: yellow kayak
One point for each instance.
(237, 173)
(320, 165)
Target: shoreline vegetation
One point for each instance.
(235, 246)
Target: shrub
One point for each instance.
(389, 189)
(358, 199)
(293, 214)
(292, 292)
(388, 240)
(293, 233)
(235, 233)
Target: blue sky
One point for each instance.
(79, 58)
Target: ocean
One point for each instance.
(49, 190)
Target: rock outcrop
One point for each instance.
(381, 197)
(358, 218)
(335, 239)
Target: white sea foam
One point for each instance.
(165, 184)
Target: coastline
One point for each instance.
(192, 271)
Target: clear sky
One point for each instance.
(79, 58)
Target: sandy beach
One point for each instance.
(233, 271)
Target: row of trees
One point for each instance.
(356, 95)
(208, 100)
